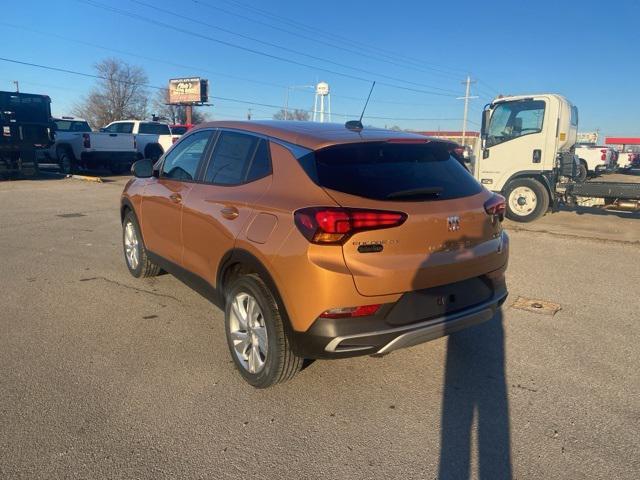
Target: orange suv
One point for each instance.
(319, 240)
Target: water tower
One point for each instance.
(322, 93)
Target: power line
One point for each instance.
(191, 67)
(284, 48)
(215, 97)
(343, 47)
(251, 50)
(297, 24)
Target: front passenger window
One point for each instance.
(181, 163)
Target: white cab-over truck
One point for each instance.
(152, 139)
(77, 146)
(527, 153)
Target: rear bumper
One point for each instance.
(340, 338)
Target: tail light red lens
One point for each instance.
(86, 140)
(496, 206)
(350, 312)
(330, 225)
(603, 157)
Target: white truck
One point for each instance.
(152, 139)
(77, 146)
(527, 153)
(594, 159)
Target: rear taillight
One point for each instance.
(350, 312)
(603, 157)
(496, 206)
(330, 225)
(86, 140)
(174, 139)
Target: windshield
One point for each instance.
(515, 119)
(387, 171)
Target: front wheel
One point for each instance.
(135, 252)
(582, 173)
(256, 336)
(527, 200)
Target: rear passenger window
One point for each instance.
(238, 158)
(181, 163)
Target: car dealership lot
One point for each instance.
(105, 376)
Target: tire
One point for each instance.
(527, 200)
(66, 162)
(247, 339)
(583, 172)
(132, 241)
(153, 153)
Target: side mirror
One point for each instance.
(486, 117)
(142, 168)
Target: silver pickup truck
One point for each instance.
(78, 146)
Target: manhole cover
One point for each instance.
(537, 306)
(71, 215)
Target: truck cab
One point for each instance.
(527, 144)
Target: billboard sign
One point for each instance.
(188, 90)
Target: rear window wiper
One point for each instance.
(416, 192)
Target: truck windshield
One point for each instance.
(384, 171)
(515, 119)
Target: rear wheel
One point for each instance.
(135, 253)
(255, 334)
(527, 200)
(582, 172)
(66, 162)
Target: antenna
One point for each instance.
(357, 124)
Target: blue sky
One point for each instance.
(586, 51)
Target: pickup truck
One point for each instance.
(594, 159)
(77, 146)
(152, 138)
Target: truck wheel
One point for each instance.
(527, 200)
(582, 172)
(135, 253)
(66, 162)
(255, 334)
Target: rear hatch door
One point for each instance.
(447, 236)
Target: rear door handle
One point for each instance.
(230, 213)
(175, 197)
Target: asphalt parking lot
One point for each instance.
(106, 376)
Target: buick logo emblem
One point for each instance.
(453, 223)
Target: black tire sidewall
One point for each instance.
(541, 204)
(252, 285)
(130, 216)
(64, 154)
(583, 172)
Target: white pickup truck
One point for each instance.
(594, 159)
(77, 146)
(152, 139)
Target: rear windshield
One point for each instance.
(387, 171)
(154, 128)
(71, 126)
(178, 130)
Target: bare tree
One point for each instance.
(175, 114)
(296, 114)
(119, 95)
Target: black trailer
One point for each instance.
(26, 128)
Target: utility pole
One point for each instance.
(466, 99)
(189, 113)
(249, 114)
(17, 86)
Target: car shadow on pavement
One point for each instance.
(475, 389)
